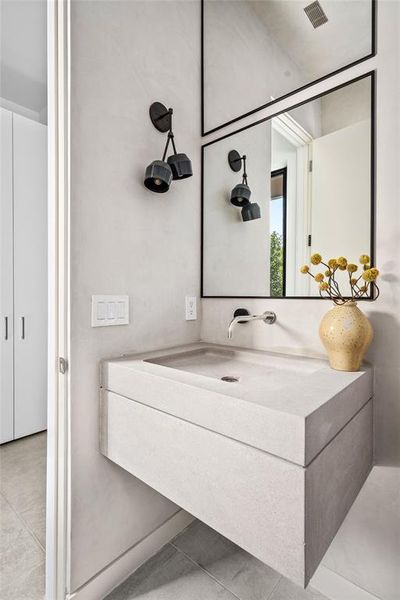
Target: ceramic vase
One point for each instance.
(346, 334)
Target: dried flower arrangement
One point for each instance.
(360, 286)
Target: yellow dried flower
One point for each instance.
(316, 259)
(323, 286)
(364, 288)
(364, 259)
(342, 262)
(352, 268)
(353, 281)
(304, 269)
(370, 275)
(328, 273)
(332, 262)
(366, 267)
(319, 277)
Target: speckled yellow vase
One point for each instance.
(346, 334)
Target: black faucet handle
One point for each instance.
(241, 312)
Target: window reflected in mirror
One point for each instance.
(308, 173)
(277, 233)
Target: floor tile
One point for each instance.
(35, 443)
(20, 558)
(12, 529)
(23, 472)
(286, 590)
(24, 453)
(170, 575)
(30, 586)
(24, 493)
(241, 573)
(22, 518)
(35, 519)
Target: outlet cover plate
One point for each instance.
(190, 308)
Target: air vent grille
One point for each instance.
(316, 14)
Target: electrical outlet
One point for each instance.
(191, 310)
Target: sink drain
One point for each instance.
(230, 379)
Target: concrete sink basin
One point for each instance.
(271, 450)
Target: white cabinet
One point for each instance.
(6, 280)
(23, 276)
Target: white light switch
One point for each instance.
(110, 310)
(101, 311)
(120, 310)
(191, 309)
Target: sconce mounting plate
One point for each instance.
(235, 160)
(160, 117)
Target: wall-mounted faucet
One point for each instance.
(242, 315)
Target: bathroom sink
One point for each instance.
(270, 391)
(270, 450)
(247, 368)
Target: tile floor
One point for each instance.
(22, 518)
(200, 564)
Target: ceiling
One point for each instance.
(317, 52)
(23, 53)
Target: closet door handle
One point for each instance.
(22, 328)
(6, 328)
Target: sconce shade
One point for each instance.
(240, 195)
(251, 211)
(181, 166)
(158, 176)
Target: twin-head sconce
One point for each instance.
(240, 195)
(159, 174)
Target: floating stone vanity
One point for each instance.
(273, 461)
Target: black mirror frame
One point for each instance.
(295, 91)
(372, 76)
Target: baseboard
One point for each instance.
(336, 587)
(327, 582)
(116, 572)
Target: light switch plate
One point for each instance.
(191, 308)
(110, 310)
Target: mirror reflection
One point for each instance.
(256, 51)
(283, 189)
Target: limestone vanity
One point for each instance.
(270, 450)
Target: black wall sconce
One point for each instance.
(159, 174)
(240, 195)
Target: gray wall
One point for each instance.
(238, 76)
(367, 547)
(346, 106)
(126, 239)
(236, 253)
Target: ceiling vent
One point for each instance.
(316, 14)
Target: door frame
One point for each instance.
(58, 481)
(276, 173)
(302, 140)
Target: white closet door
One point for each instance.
(30, 276)
(6, 280)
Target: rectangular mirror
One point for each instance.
(256, 52)
(286, 187)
